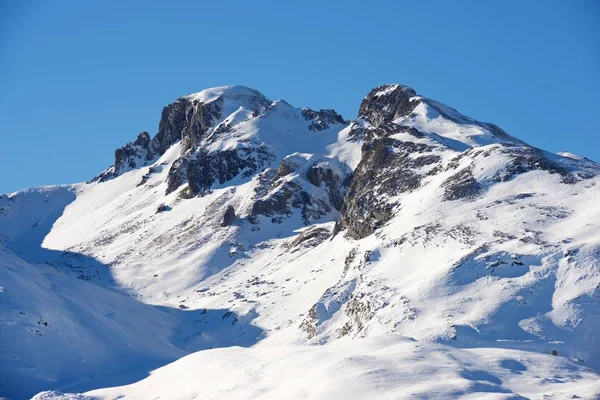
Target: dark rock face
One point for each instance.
(162, 208)
(132, 155)
(395, 159)
(309, 238)
(186, 120)
(203, 169)
(189, 120)
(289, 196)
(462, 185)
(126, 155)
(386, 103)
(206, 169)
(177, 174)
(321, 174)
(278, 197)
(525, 159)
(389, 167)
(322, 119)
(229, 216)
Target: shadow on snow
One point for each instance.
(190, 330)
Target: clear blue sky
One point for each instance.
(80, 78)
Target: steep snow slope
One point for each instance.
(251, 222)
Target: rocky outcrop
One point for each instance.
(322, 174)
(132, 155)
(229, 216)
(525, 158)
(202, 169)
(386, 103)
(309, 238)
(388, 168)
(461, 185)
(314, 185)
(186, 120)
(287, 197)
(322, 119)
(127, 155)
(190, 118)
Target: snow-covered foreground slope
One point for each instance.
(58, 331)
(321, 244)
(388, 367)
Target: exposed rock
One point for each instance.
(308, 324)
(525, 159)
(322, 119)
(388, 167)
(124, 156)
(287, 197)
(386, 103)
(162, 208)
(132, 155)
(229, 216)
(202, 169)
(187, 120)
(322, 173)
(359, 312)
(311, 237)
(279, 194)
(462, 185)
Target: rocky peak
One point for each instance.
(132, 155)
(386, 103)
(190, 118)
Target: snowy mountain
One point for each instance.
(413, 252)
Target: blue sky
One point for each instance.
(80, 78)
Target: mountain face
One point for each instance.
(291, 251)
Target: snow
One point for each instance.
(388, 89)
(390, 367)
(57, 331)
(237, 93)
(447, 126)
(465, 298)
(571, 155)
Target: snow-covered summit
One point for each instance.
(243, 95)
(400, 105)
(411, 237)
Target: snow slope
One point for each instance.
(58, 331)
(412, 252)
(388, 367)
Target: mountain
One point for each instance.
(413, 252)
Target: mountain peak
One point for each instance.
(246, 220)
(389, 88)
(233, 92)
(386, 103)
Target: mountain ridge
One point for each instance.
(305, 229)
